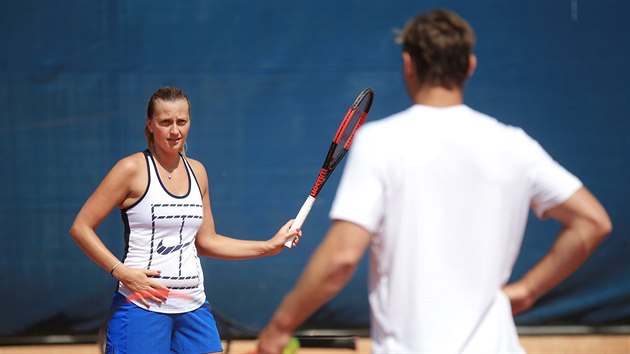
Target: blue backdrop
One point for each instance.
(268, 82)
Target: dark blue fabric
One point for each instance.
(269, 81)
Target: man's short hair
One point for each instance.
(440, 42)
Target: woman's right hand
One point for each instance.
(141, 284)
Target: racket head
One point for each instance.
(352, 121)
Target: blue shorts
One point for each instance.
(134, 330)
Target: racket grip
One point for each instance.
(300, 218)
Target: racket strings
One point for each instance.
(353, 120)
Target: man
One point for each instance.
(441, 193)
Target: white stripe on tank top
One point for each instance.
(160, 231)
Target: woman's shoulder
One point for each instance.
(131, 164)
(200, 173)
(196, 165)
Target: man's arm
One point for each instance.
(328, 271)
(585, 225)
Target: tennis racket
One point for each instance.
(353, 119)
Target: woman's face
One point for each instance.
(170, 124)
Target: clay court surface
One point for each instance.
(592, 344)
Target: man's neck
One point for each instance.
(438, 97)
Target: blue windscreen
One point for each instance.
(269, 82)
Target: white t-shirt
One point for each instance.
(446, 194)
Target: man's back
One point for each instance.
(446, 193)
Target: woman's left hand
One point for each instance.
(283, 235)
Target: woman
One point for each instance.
(160, 304)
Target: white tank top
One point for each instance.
(160, 231)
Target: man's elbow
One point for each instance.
(600, 227)
(343, 266)
(603, 226)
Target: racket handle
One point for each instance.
(300, 218)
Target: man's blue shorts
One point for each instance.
(134, 330)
